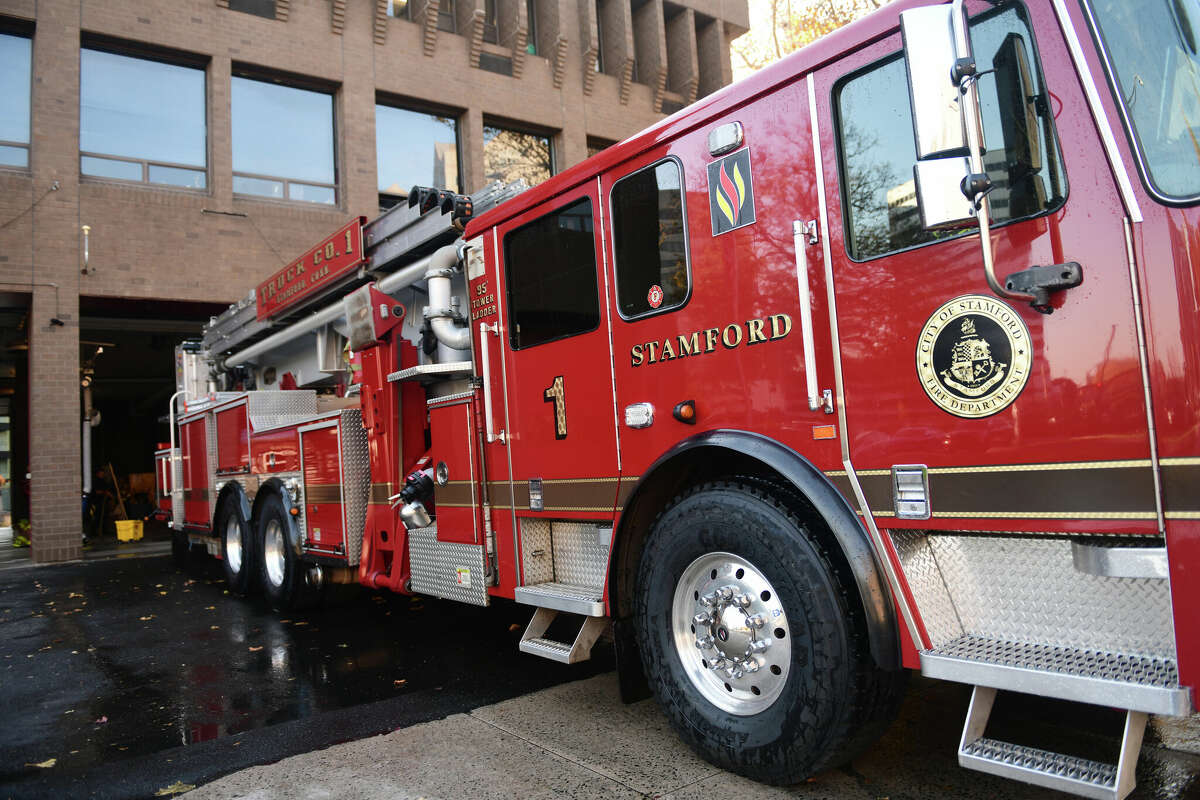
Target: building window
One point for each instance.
(595, 145)
(259, 8)
(15, 59)
(398, 8)
(550, 271)
(283, 142)
(531, 40)
(491, 30)
(141, 120)
(510, 155)
(446, 16)
(414, 149)
(1023, 159)
(649, 241)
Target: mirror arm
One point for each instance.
(975, 145)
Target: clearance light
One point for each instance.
(294, 511)
(824, 432)
(685, 412)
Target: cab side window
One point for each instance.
(1021, 152)
(550, 268)
(650, 240)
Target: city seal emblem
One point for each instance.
(974, 356)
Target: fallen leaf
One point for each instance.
(209, 608)
(47, 764)
(146, 618)
(178, 787)
(514, 627)
(158, 586)
(399, 682)
(102, 720)
(343, 644)
(164, 594)
(214, 627)
(73, 595)
(256, 648)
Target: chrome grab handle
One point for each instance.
(484, 330)
(804, 234)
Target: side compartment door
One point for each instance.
(558, 407)
(1025, 421)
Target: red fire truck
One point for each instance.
(883, 359)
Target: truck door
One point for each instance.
(1025, 421)
(551, 330)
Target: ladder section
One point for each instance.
(1065, 773)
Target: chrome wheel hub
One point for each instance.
(273, 555)
(731, 633)
(233, 544)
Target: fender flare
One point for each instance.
(673, 471)
(276, 487)
(233, 487)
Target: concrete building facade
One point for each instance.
(180, 222)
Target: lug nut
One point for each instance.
(726, 592)
(717, 663)
(757, 621)
(759, 645)
(742, 600)
(751, 665)
(709, 599)
(702, 619)
(705, 644)
(733, 671)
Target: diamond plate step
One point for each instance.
(1120, 680)
(1065, 773)
(586, 600)
(535, 643)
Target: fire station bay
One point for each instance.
(158, 159)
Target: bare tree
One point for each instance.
(780, 27)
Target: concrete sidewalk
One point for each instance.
(577, 740)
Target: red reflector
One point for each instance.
(824, 431)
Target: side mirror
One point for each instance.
(930, 56)
(939, 121)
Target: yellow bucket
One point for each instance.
(129, 530)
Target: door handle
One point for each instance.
(804, 234)
(484, 330)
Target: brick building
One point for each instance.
(201, 143)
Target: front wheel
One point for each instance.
(749, 638)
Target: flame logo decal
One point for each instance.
(731, 193)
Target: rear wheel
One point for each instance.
(237, 550)
(284, 577)
(750, 639)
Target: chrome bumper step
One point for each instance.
(1137, 683)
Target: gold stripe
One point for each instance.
(1047, 514)
(1180, 462)
(1137, 462)
(580, 480)
(1182, 515)
(868, 473)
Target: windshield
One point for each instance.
(1152, 46)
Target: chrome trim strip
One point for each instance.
(1139, 320)
(503, 329)
(602, 235)
(1124, 186)
(1174, 701)
(836, 347)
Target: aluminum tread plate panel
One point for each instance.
(1086, 676)
(1026, 589)
(435, 567)
(177, 489)
(210, 443)
(537, 553)
(580, 557)
(272, 409)
(547, 648)
(356, 477)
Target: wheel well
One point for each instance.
(788, 476)
(276, 487)
(232, 489)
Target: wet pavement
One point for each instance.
(120, 677)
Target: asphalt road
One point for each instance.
(121, 677)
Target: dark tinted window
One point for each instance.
(260, 8)
(550, 266)
(649, 240)
(877, 150)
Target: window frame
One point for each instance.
(1131, 137)
(687, 240)
(588, 197)
(836, 119)
(290, 81)
(20, 30)
(155, 55)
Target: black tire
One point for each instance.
(284, 578)
(830, 701)
(238, 554)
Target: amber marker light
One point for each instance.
(294, 511)
(824, 432)
(685, 412)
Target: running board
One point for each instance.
(567, 597)
(1077, 776)
(534, 643)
